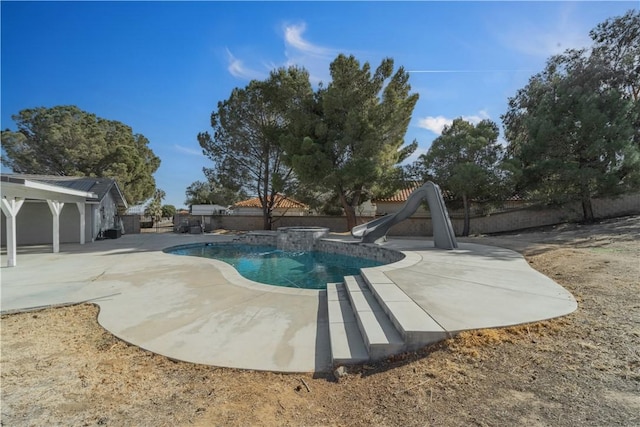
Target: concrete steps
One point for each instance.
(347, 345)
(370, 318)
(415, 325)
(381, 338)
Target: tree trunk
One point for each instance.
(266, 213)
(587, 209)
(465, 204)
(349, 211)
(266, 221)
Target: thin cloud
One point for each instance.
(436, 124)
(298, 51)
(187, 150)
(237, 69)
(293, 38)
(301, 52)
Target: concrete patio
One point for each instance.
(203, 311)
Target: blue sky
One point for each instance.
(162, 67)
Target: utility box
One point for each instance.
(113, 233)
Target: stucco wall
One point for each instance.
(238, 222)
(386, 208)
(34, 224)
(536, 217)
(276, 212)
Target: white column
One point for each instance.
(10, 207)
(56, 208)
(80, 206)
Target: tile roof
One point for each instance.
(403, 194)
(409, 187)
(282, 202)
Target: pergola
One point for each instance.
(14, 191)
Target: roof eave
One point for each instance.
(28, 189)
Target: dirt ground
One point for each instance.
(59, 367)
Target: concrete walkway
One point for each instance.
(203, 311)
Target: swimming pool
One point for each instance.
(269, 265)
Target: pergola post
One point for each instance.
(10, 208)
(56, 208)
(80, 206)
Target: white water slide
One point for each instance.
(443, 235)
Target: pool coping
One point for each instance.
(231, 274)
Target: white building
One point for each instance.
(208, 210)
(42, 209)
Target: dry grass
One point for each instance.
(59, 367)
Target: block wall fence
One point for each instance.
(511, 220)
(131, 223)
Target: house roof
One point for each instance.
(403, 194)
(21, 188)
(281, 202)
(98, 186)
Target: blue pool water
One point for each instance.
(266, 264)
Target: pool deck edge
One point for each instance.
(199, 311)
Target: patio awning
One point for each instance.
(14, 191)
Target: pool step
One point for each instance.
(378, 332)
(371, 318)
(347, 345)
(415, 326)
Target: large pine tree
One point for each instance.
(67, 141)
(354, 133)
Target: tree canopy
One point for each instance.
(67, 141)
(154, 210)
(465, 160)
(248, 130)
(572, 128)
(617, 48)
(211, 193)
(354, 133)
(168, 211)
